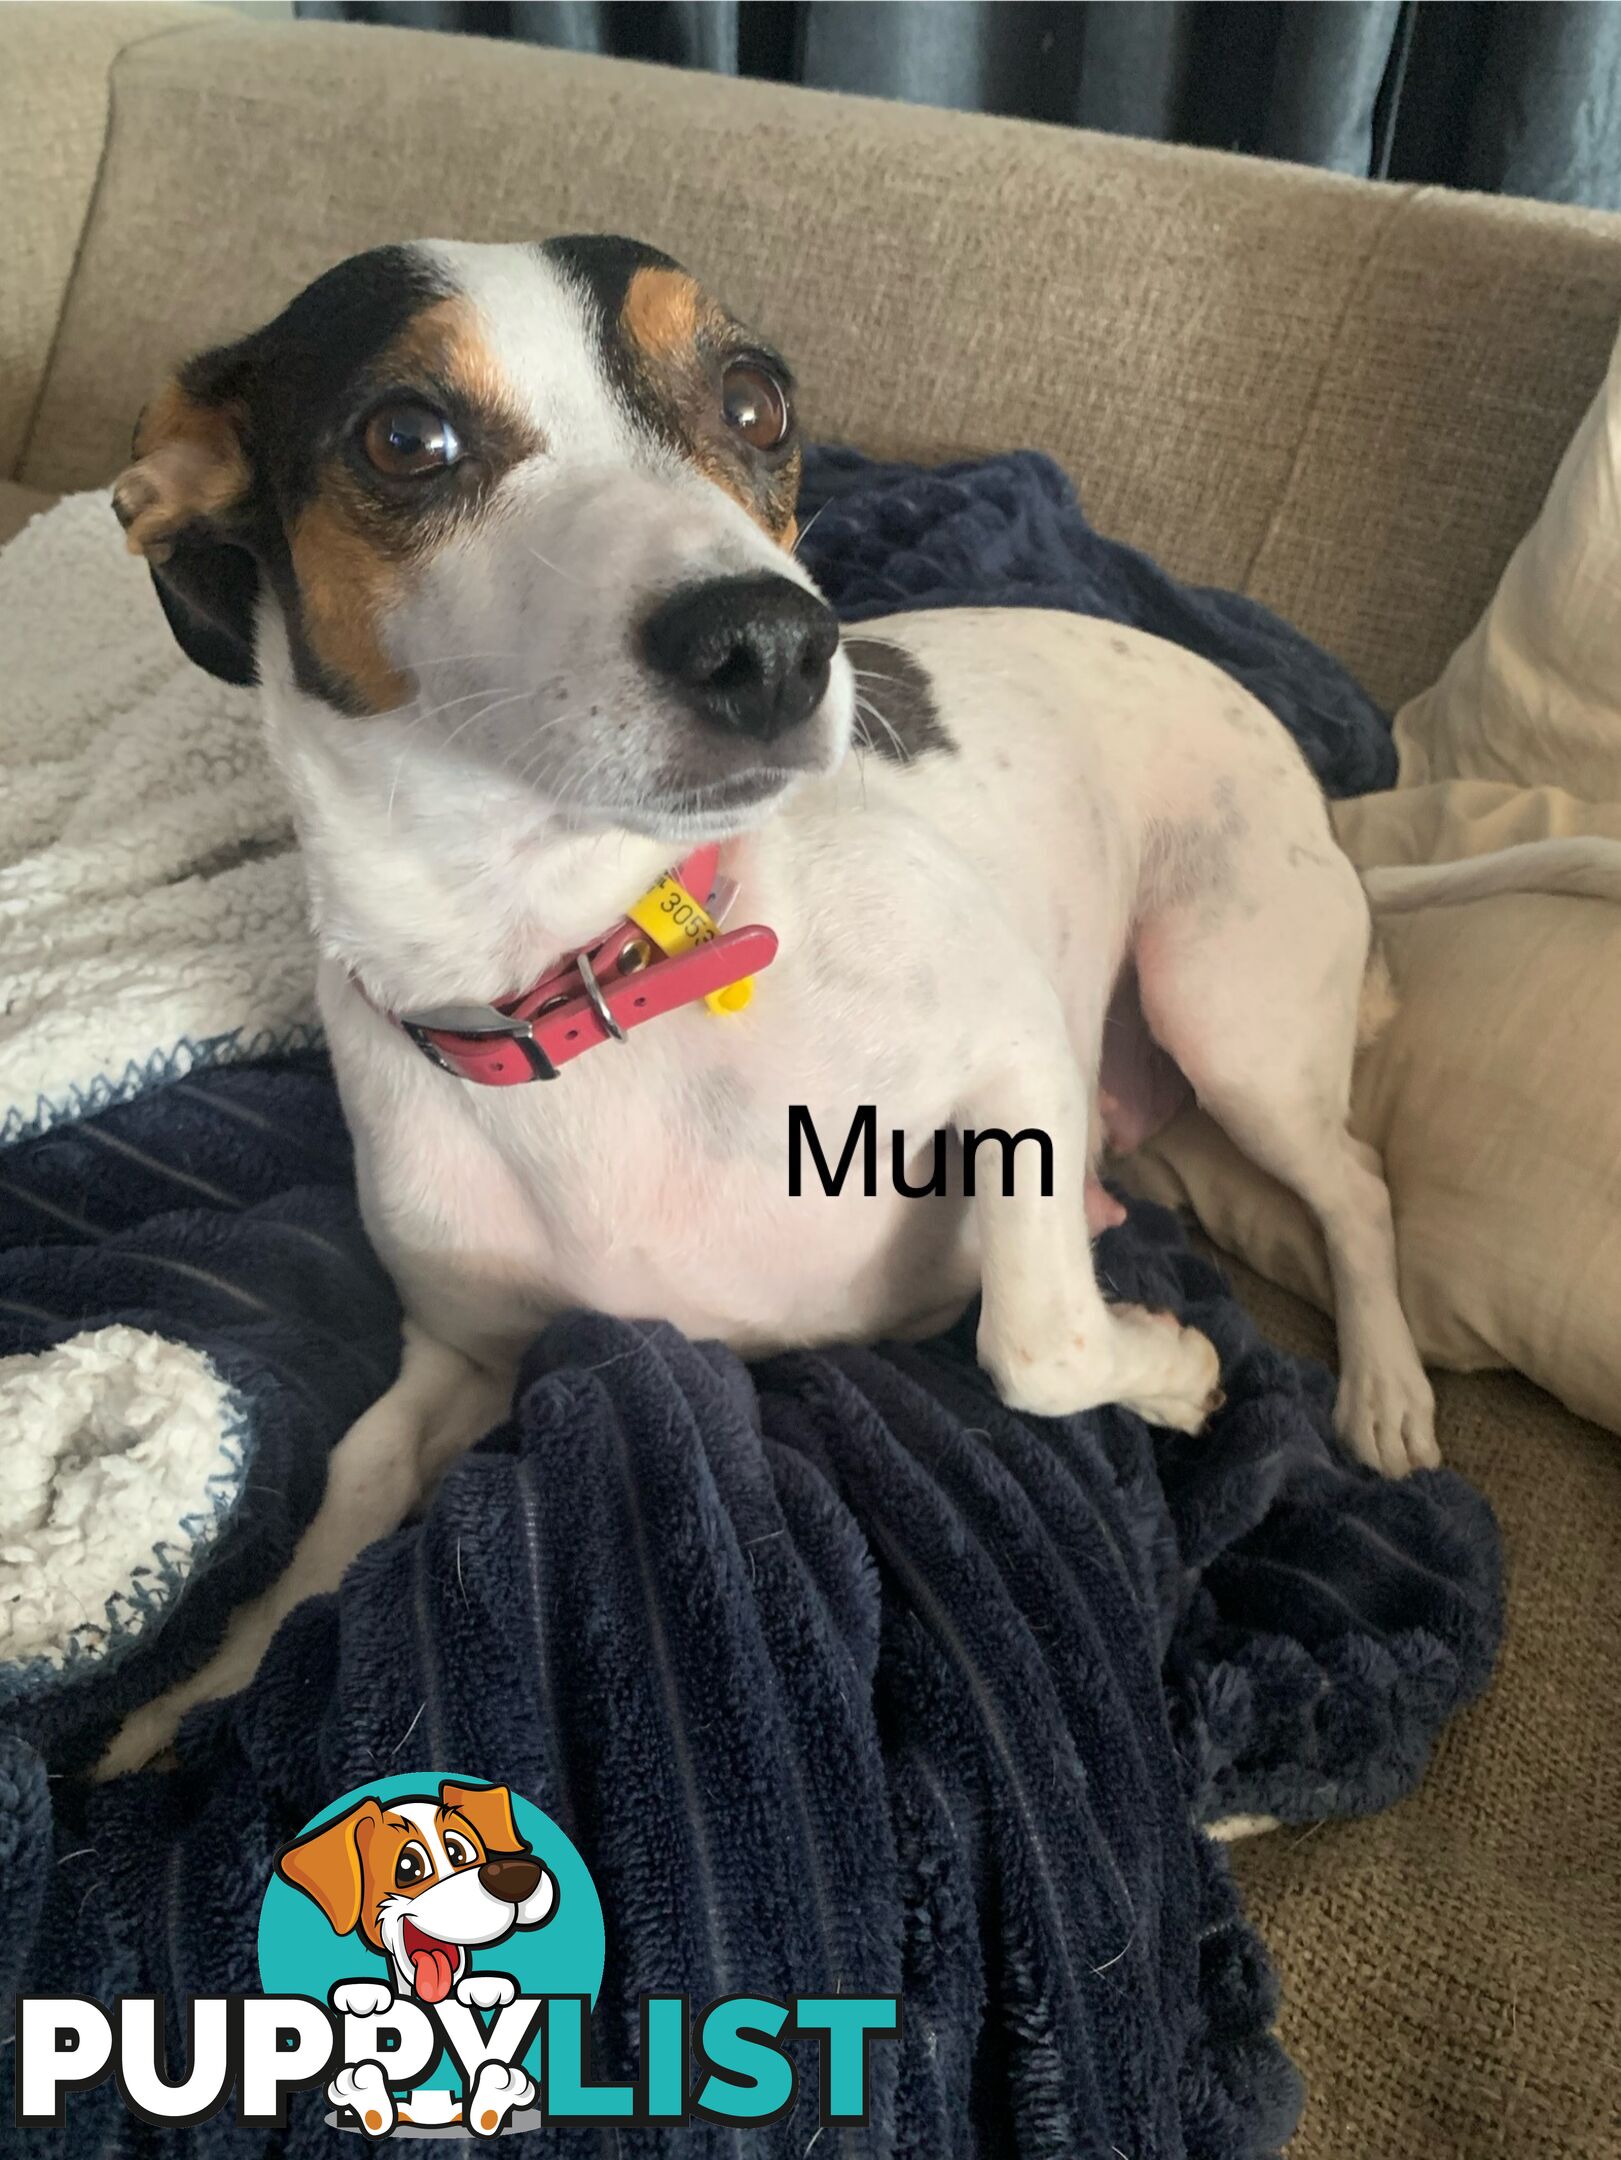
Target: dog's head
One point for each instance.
(424, 1880)
(534, 504)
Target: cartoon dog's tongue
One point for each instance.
(433, 1963)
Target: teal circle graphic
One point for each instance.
(300, 1954)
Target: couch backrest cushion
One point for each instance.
(55, 68)
(1346, 399)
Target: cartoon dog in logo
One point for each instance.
(423, 1882)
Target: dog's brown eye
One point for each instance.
(755, 404)
(458, 1852)
(408, 442)
(411, 1868)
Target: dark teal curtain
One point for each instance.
(1523, 98)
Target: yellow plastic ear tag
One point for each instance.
(677, 923)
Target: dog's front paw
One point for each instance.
(144, 1734)
(497, 2090)
(1146, 1362)
(148, 1731)
(486, 1991)
(1386, 1417)
(365, 2090)
(361, 1998)
(1169, 1374)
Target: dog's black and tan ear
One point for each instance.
(191, 467)
(328, 1864)
(183, 504)
(489, 1809)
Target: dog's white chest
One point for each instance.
(656, 1180)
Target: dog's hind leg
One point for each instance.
(438, 1406)
(1046, 1335)
(1255, 993)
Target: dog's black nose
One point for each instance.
(510, 1876)
(750, 653)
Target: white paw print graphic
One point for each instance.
(362, 1998)
(486, 1991)
(365, 2089)
(496, 2092)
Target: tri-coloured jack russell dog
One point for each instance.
(616, 852)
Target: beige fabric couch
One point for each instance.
(1344, 399)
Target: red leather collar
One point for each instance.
(593, 996)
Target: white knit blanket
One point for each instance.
(152, 914)
(152, 919)
(125, 1455)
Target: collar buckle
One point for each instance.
(478, 1023)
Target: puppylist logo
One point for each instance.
(430, 1950)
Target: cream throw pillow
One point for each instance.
(1495, 1093)
(1534, 692)
(1494, 1097)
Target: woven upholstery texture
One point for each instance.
(1452, 1968)
(1347, 400)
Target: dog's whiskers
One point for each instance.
(800, 536)
(556, 569)
(866, 705)
(494, 698)
(860, 749)
(571, 794)
(534, 750)
(508, 697)
(430, 712)
(488, 652)
(544, 728)
(869, 710)
(413, 719)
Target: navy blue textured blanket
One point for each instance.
(839, 1673)
(1009, 532)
